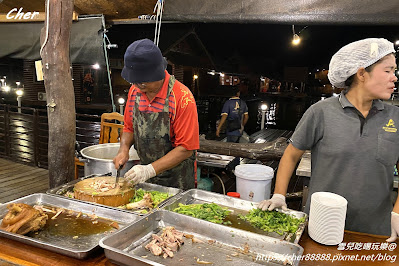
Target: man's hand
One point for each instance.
(218, 132)
(276, 201)
(120, 159)
(394, 227)
(241, 129)
(140, 173)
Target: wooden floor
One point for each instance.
(18, 180)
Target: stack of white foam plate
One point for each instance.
(327, 218)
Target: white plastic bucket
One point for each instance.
(254, 181)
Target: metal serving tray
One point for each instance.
(221, 245)
(61, 190)
(78, 248)
(238, 207)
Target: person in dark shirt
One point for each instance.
(235, 111)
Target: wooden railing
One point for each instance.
(24, 133)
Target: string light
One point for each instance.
(295, 36)
(296, 40)
(195, 76)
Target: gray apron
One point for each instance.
(152, 141)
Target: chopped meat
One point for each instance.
(58, 213)
(145, 203)
(102, 185)
(178, 235)
(159, 239)
(154, 248)
(167, 243)
(196, 240)
(188, 236)
(170, 236)
(173, 246)
(246, 248)
(203, 262)
(114, 225)
(168, 252)
(93, 216)
(22, 218)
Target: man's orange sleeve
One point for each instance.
(185, 125)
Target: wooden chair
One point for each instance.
(110, 132)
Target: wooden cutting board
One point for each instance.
(118, 196)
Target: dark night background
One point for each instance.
(262, 49)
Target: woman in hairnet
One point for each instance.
(354, 139)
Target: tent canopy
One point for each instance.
(334, 12)
(375, 12)
(22, 41)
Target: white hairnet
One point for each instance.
(347, 61)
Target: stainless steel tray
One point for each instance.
(238, 207)
(61, 190)
(126, 247)
(78, 248)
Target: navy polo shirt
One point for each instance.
(354, 157)
(234, 108)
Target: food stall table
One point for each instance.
(12, 251)
(21, 254)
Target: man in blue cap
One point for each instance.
(160, 119)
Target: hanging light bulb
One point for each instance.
(296, 40)
(195, 76)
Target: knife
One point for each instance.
(118, 174)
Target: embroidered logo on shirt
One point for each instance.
(186, 98)
(390, 127)
(237, 106)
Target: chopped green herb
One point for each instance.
(273, 221)
(210, 212)
(156, 196)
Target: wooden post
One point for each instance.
(59, 91)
